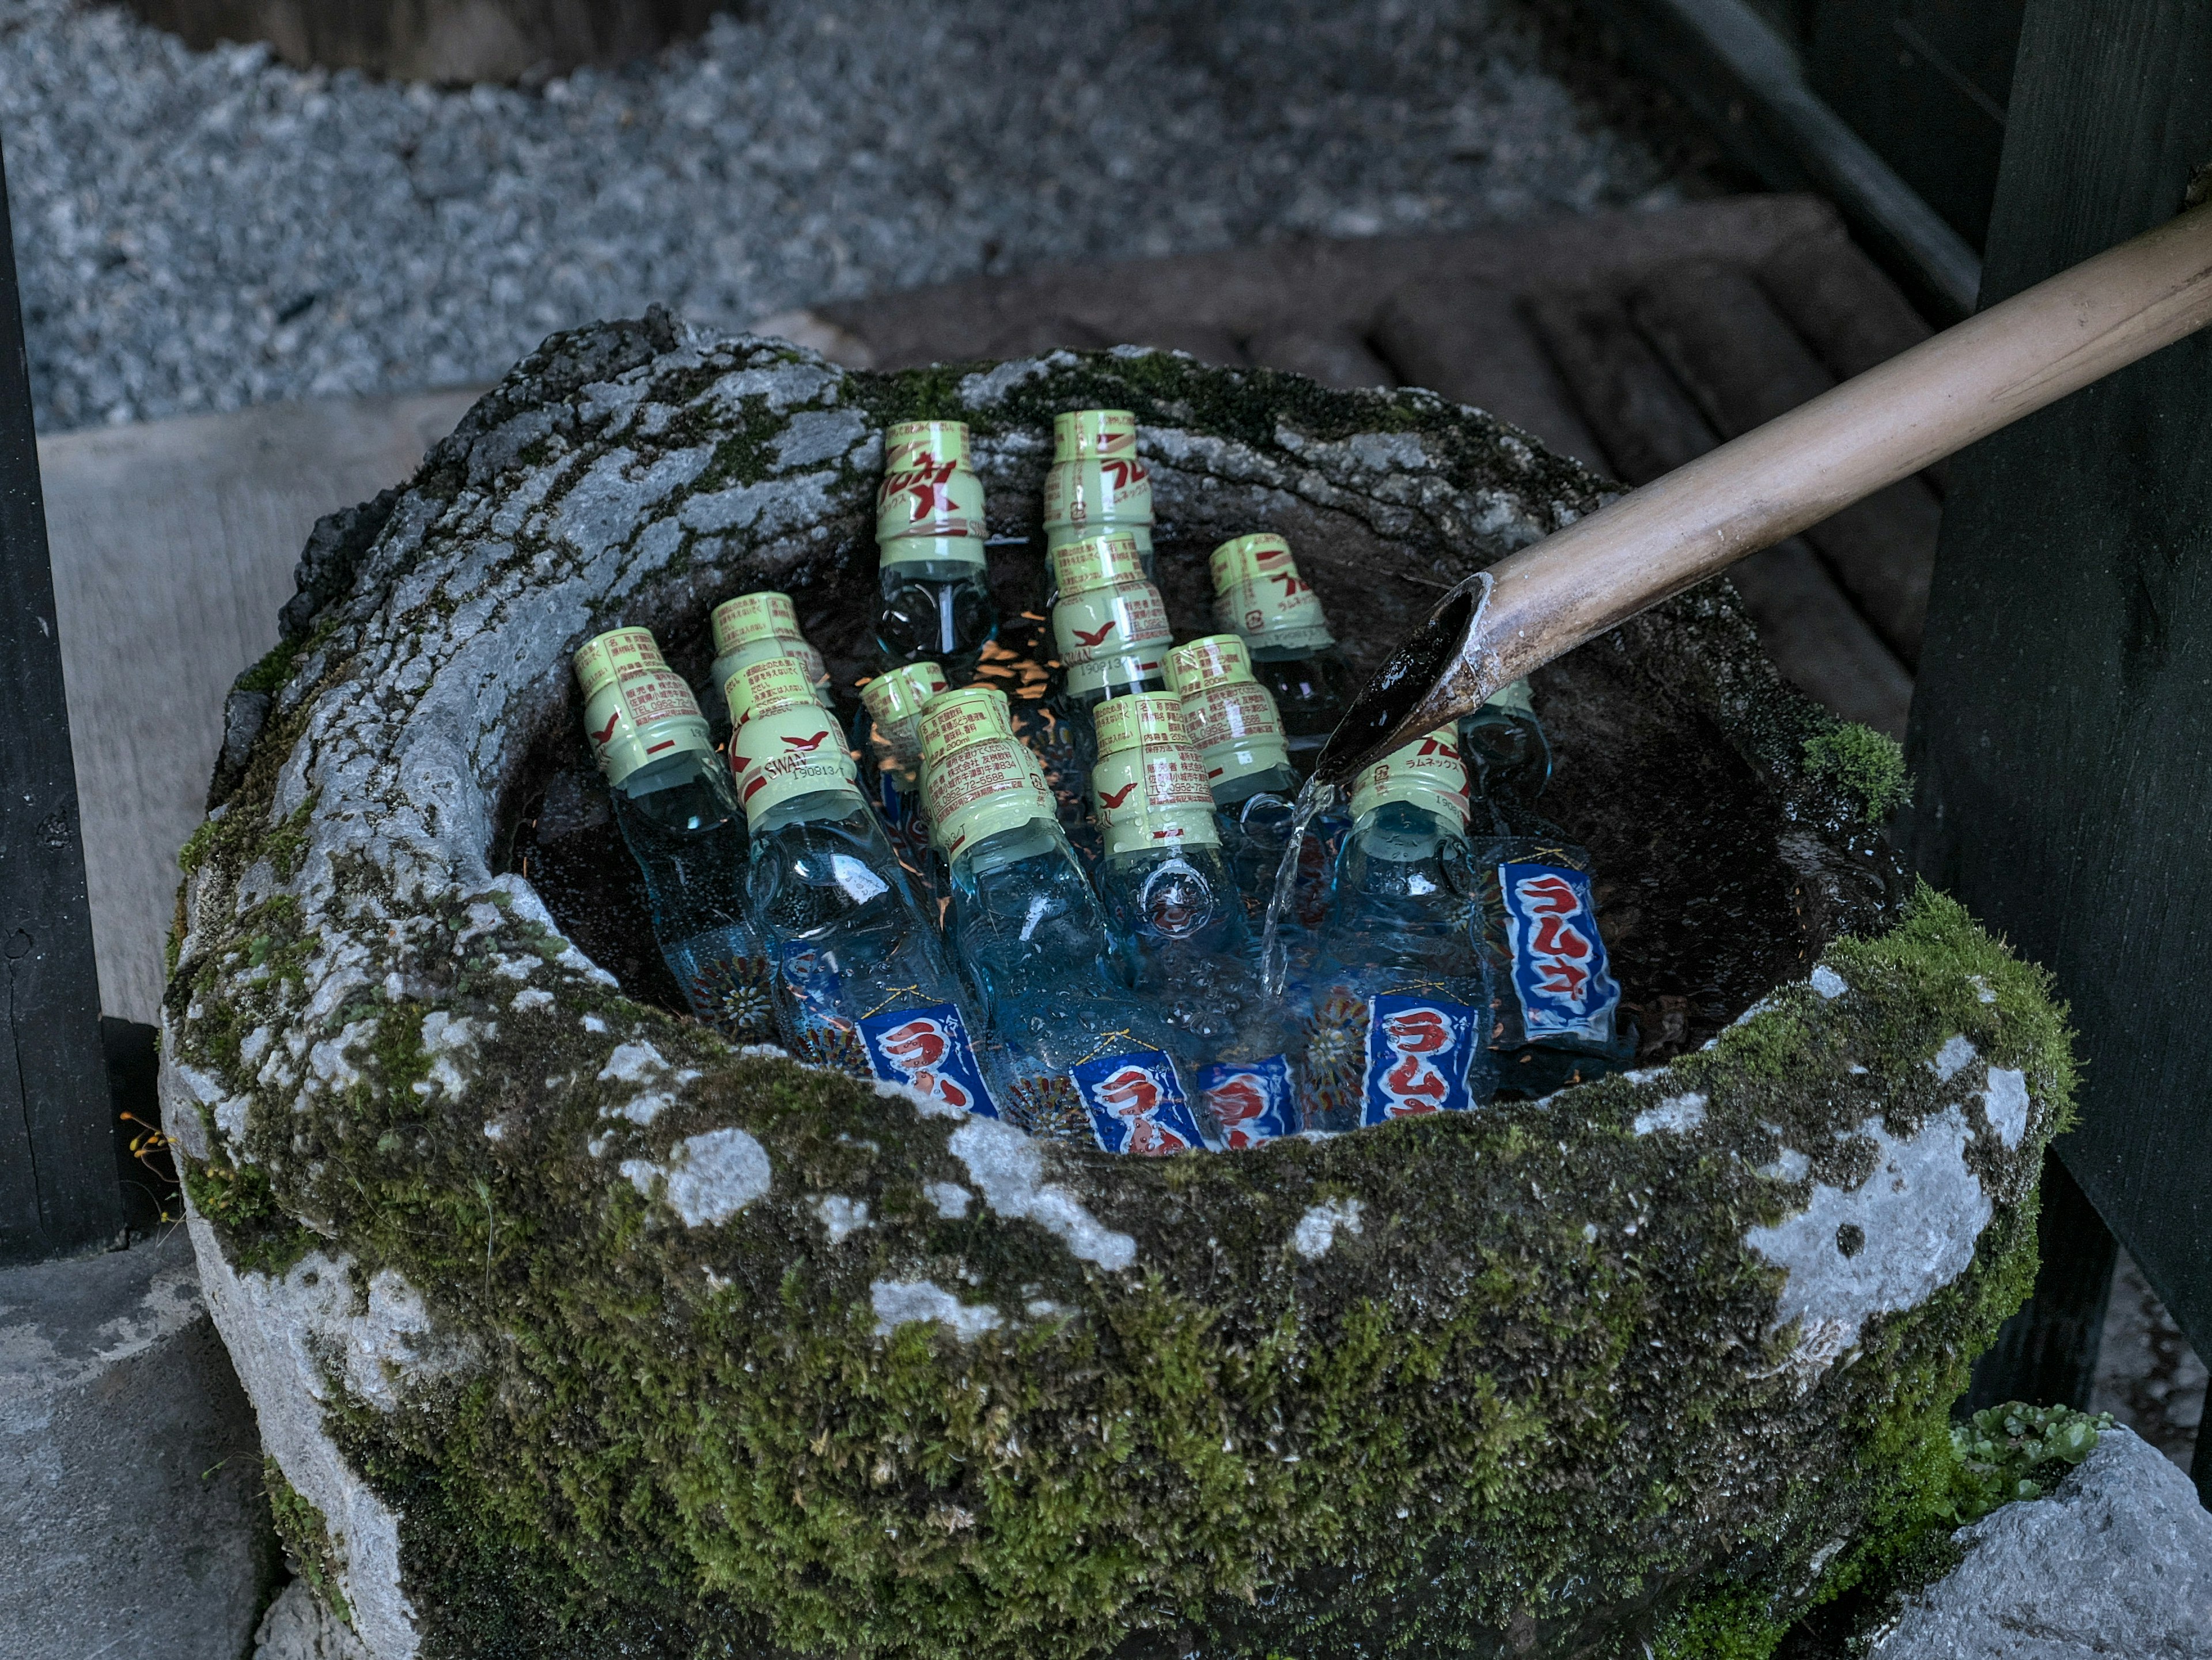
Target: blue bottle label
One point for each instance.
(1135, 1104)
(927, 1051)
(1254, 1101)
(1559, 970)
(1419, 1050)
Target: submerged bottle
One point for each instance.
(1509, 759)
(1259, 594)
(887, 736)
(682, 824)
(1555, 1007)
(1178, 921)
(1232, 724)
(755, 626)
(1400, 999)
(1081, 1057)
(862, 979)
(934, 580)
(1096, 486)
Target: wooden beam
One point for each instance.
(2062, 731)
(58, 1186)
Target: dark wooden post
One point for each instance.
(2062, 730)
(59, 1189)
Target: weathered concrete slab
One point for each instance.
(174, 544)
(132, 1520)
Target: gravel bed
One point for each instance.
(199, 231)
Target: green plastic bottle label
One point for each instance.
(1233, 721)
(956, 719)
(939, 499)
(1057, 537)
(1148, 788)
(1107, 487)
(990, 784)
(786, 752)
(636, 709)
(1259, 592)
(1425, 773)
(773, 683)
(752, 619)
(1111, 624)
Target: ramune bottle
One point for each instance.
(1177, 920)
(754, 626)
(1399, 1004)
(935, 583)
(863, 981)
(1509, 759)
(673, 801)
(1096, 486)
(887, 736)
(1110, 627)
(1082, 1060)
(1556, 1016)
(1259, 594)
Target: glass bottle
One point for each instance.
(1096, 486)
(887, 738)
(1234, 727)
(1083, 1059)
(673, 802)
(1259, 594)
(1509, 759)
(863, 980)
(1399, 1001)
(934, 581)
(1177, 921)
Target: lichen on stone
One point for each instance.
(619, 1339)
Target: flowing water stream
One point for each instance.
(1315, 797)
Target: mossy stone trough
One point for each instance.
(574, 1331)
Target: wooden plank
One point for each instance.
(1650, 426)
(1745, 365)
(1469, 342)
(1336, 354)
(2062, 732)
(58, 1190)
(2046, 1354)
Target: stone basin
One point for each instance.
(574, 1331)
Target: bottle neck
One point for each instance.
(1231, 792)
(820, 806)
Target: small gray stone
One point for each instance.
(2119, 1561)
(299, 1627)
(132, 1520)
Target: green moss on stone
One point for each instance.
(307, 1537)
(1867, 763)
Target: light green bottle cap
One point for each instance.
(1096, 562)
(1512, 696)
(1096, 478)
(952, 719)
(636, 709)
(773, 682)
(977, 778)
(910, 443)
(789, 751)
(1233, 721)
(1425, 773)
(1106, 635)
(1057, 537)
(1089, 434)
(752, 617)
(1257, 591)
(1148, 786)
(930, 498)
(897, 695)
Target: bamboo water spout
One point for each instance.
(1755, 490)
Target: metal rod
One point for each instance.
(1771, 483)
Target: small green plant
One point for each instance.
(1865, 764)
(2019, 1451)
